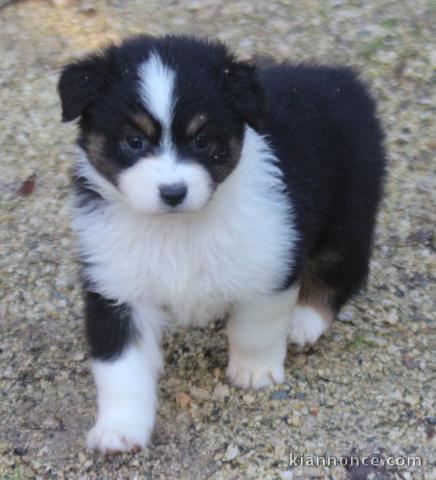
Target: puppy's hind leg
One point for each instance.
(308, 324)
(257, 332)
(317, 306)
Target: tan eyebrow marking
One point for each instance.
(145, 123)
(196, 123)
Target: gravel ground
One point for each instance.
(366, 388)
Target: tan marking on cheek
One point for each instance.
(145, 124)
(95, 146)
(195, 124)
(96, 155)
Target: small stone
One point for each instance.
(345, 316)
(423, 236)
(294, 421)
(248, 397)
(313, 410)
(194, 6)
(50, 423)
(380, 342)
(299, 360)
(279, 395)
(431, 420)
(392, 317)
(78, 357)
(183, 399)
(280, 449)
(63, 280)
(286, 475)
(397, 395)
(62, 3)
(410, 362)
(200, 394)
(300, 395)
(245, 43)
(216, 372)
(299, 405)
(20, 451)
(232, 452)
(221, 391)
(412, 399)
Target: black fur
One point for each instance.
(322, 125)
(79, 85)
(85, 196)
(108, 327)
(102, 91)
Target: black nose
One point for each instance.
(173, 194)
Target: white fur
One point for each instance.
(140, 184)
(307, 326)
(257, 333)
(157, 89)
(126, 391)
(194, 264)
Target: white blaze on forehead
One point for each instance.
(140, 183)
(157, 88)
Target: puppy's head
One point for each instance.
(162, 119)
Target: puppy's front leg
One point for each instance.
(257, 333)
(126, 360)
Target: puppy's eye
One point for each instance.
(201, 141)
(136, 142)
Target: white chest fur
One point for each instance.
(194, 265)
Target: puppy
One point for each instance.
(206, 187)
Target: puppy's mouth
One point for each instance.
(178, 210)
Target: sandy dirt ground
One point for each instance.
(367, 388)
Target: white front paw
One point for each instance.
(307, 326)
(111, 436)
(259, 373)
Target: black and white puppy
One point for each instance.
(207, 187)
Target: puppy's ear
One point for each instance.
(79, 84)
(247, 94)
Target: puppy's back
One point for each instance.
(322, 124)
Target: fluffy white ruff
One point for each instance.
(307, 325)
(195, 265)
